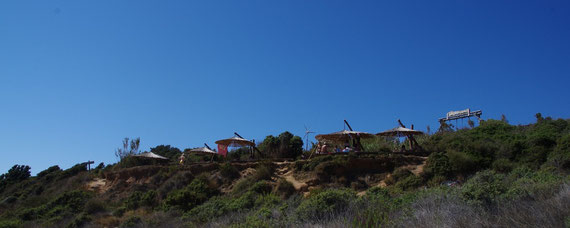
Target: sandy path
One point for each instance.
(98, 185)
(287, 174)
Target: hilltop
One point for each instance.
(495, 174)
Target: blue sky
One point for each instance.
(76, 77)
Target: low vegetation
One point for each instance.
(492, 175)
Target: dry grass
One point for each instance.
(450, 211)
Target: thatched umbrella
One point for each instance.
(399, 132)
(150, 155)
(203, 150)
(344, 135)
(235, 141)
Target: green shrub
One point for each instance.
(312, 163)
(67, 204)
(79, 220)
(284, 188)
(560, 157)
(149, 199)
(336, 167)
(132, 202)
(262, 187)
(138, 199)
(196, 193)
(184, 199)
(325, 203)
(74, 170)
(215, 207)
(16, 174)
(375, 208)
(263, 172)
(9, 200)
(267, 201)
(377, 192)
(228, 171)
(201, 184)
(398, 175)
(436, 181)
(484, 188)
(177, 181)
(409, 183)
(93, 206)
(537, 185)
(243, 185)
(461, 163)
(502, 165)
(133, 221)
(10, 223)
(244, 202)
(49, 170)
(119, 211)
(437, 164)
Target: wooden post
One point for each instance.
(88, 163)
(358, 144)
(413, 142)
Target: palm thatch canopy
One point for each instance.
(202, 150)
(235, 141)
(341, 136)
(150, 155)
(399, 132)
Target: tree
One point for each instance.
(166, 151)
(126, 151)
(286, 145)
(16, 174)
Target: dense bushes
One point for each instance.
(257, 196)
(484, 188)
(437, 164)
(494, 175)
(498, 145)
(263, 172)
(228, 171)
(16, 174)
(66, 205)
(139, 199)
(49, 170)
(325, 203)
(196, 193)
(560, 157)
(284, 188)
(74, 170)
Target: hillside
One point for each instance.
(493, 175)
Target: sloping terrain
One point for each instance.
(481, 176)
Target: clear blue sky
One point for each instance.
(76, 77)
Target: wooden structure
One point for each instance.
(344, 136)
(238, 141)
(402, 131)
(462, 114)
(88, 164)
(206, 150)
